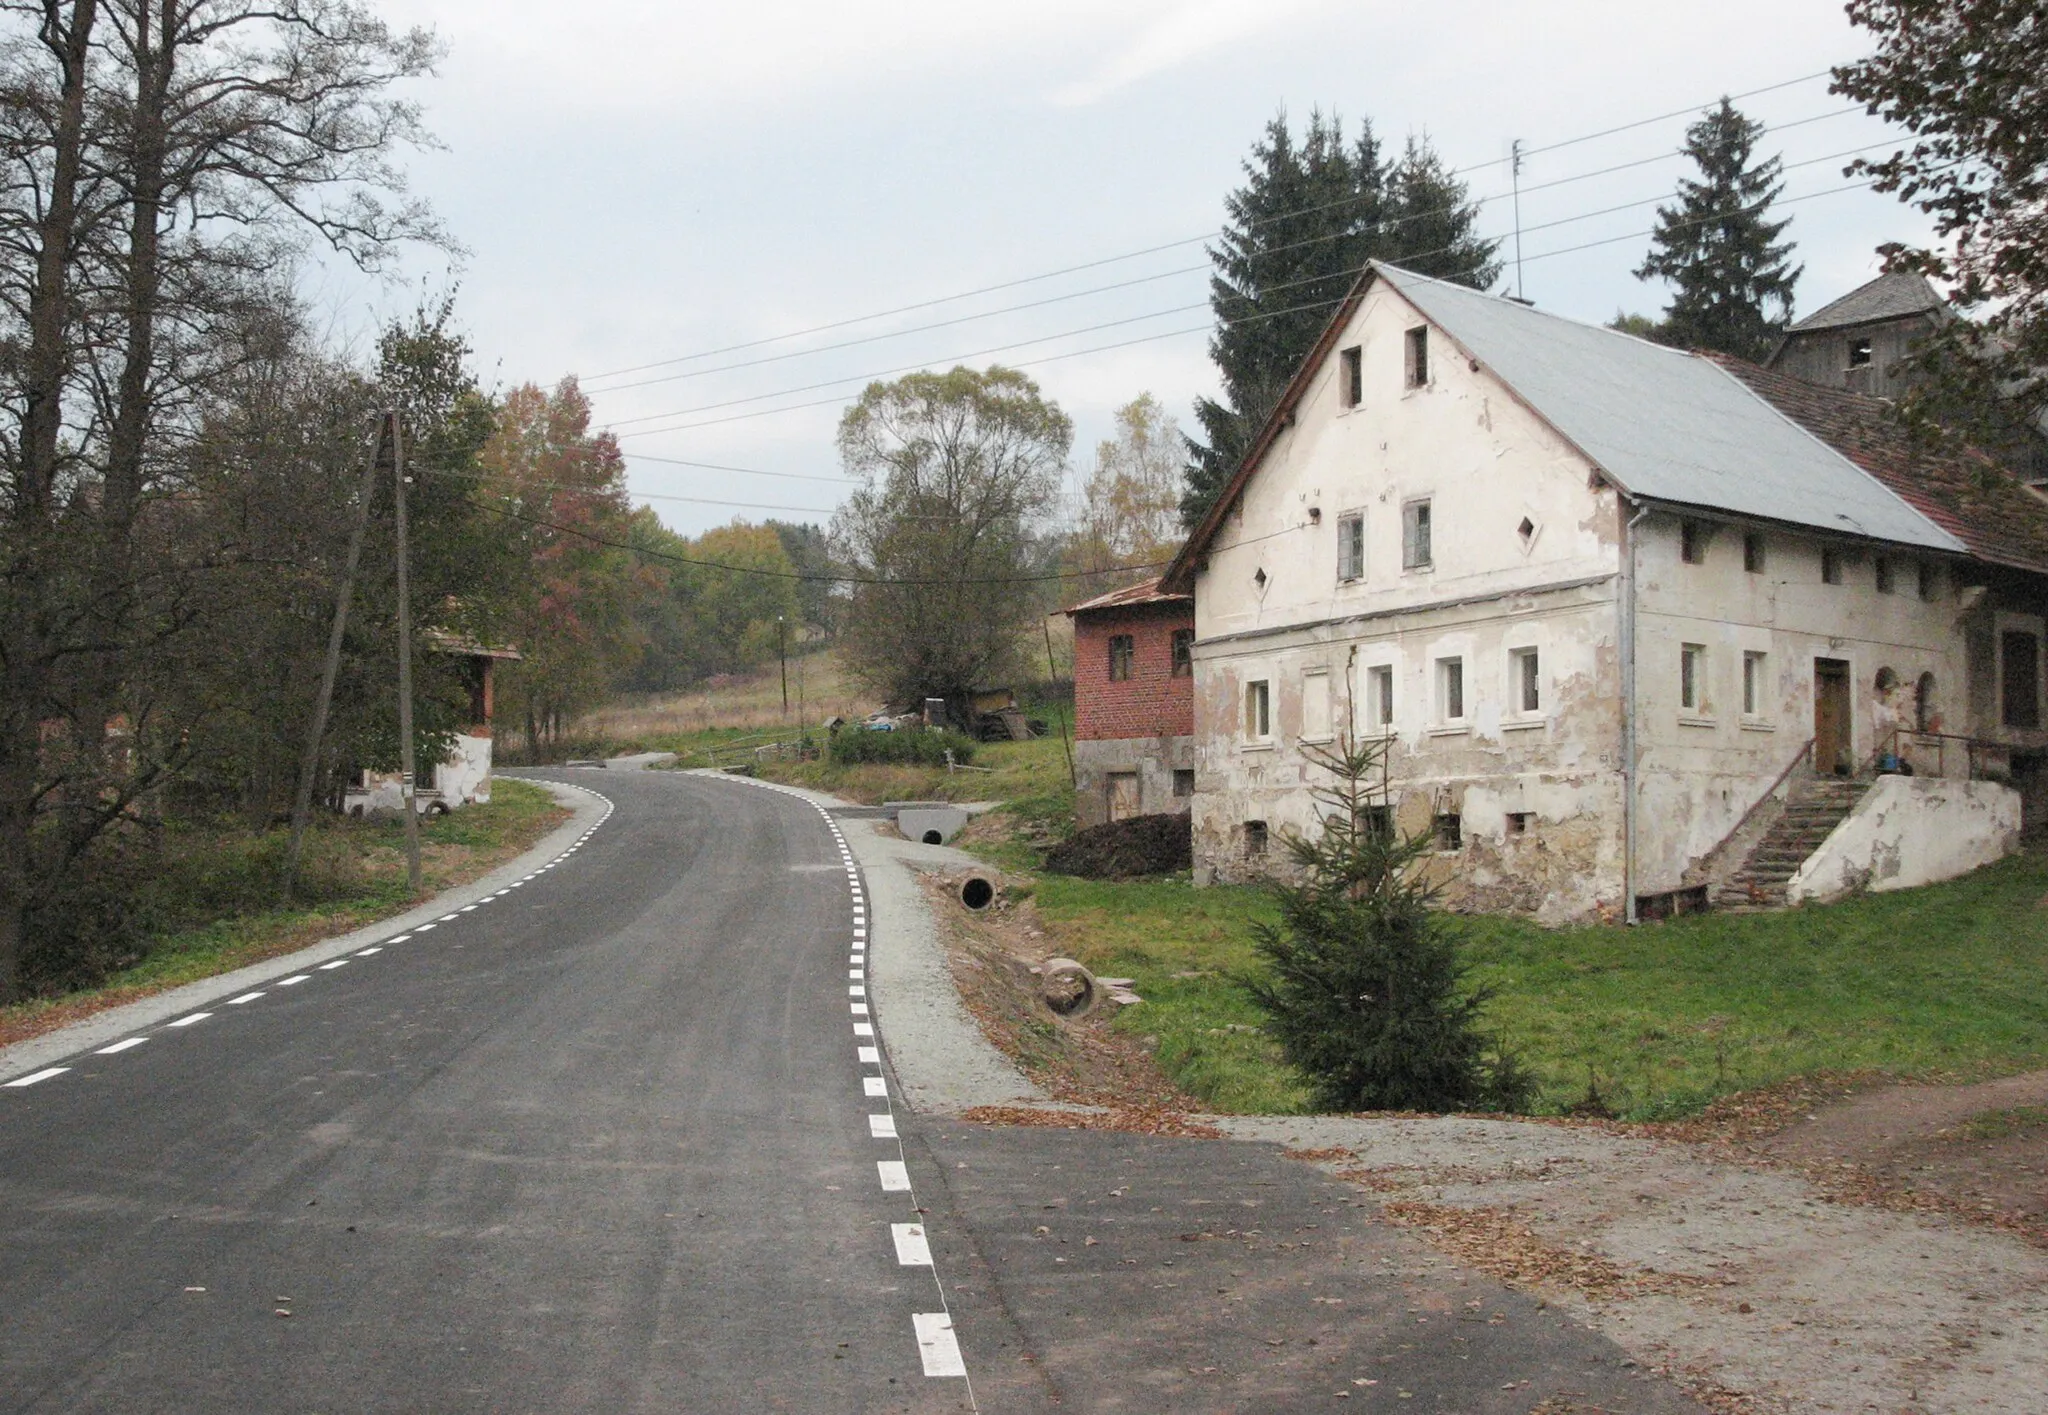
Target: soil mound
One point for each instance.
(1139, 845)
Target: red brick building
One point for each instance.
(1134, 703)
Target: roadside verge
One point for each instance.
(37, 1052)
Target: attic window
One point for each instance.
(1859, 353)
(1527, 531)
(1259, 580)
(1351, 376)
(1418, 356)
(1692, 542)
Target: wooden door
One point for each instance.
(1123, 795)
(1833, 743)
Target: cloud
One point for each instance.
(1187, 32)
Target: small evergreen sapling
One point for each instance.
(1365, 989)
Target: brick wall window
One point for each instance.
(1183, 653)
(1123, 652)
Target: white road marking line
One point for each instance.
(874, 1086)
(34, 1076)
(337, 963)
(118, 1047)
(514, 885)
(860, 1009)
(245, 997)
(296, 978)
(860, 933)
(856, 990)
(872, 1056)
(423, 928)
(501, 894)
(863, 1029)
(465, 909)
(936, 1344)
(445, 918)
(912, 1251)
(397, 938)
(882, 1127)
(858, 974)
(188, 1021)
(366, 952)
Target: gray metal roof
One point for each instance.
(1666, 425)
(1887, 297)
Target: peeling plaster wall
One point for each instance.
(1487, 465)
(1702, 768)
(1153, 760)
(1911, 830)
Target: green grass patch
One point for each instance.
(2004, 1124)
(1659, 1019)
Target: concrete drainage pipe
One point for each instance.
(977, 893)
(1069, 988)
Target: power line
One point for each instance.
(627, 491)
(1166, 245)
(1317, 279)
(1210, 327)
(747, 471)
(1045, 577)
(1475, 204)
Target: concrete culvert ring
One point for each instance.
(932, 837)
(977, 893)
(1069, 988)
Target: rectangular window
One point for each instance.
(1417, 361)
(1184, 781)
(1450, 833)
(1881, 568)
(1753, 552)
(1351, 546)
(1928, 582)
(1859, 353)
(1831, 567)
(1753, 681)
(1692, 677)
(1378, 822)
(1450, 690)
(1415, 536)
(1351, 376)
(1315, 706)
(2020, 678)
(1183, 652)
(1518, 822)
(1692, 542)
(1122, 653)
(1258, 711)
(1525, 681)
(1255, 839)
(1379, 697)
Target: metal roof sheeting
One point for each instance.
(1667, 425)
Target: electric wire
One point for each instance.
(1171, 245)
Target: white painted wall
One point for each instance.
(1911, 830)
(463, 779)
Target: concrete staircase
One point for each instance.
(1815, 806)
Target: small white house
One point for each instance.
(1606, 605)
(464, 777)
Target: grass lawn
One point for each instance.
(1661, 1018)
(210, 904)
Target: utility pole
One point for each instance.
(408, 784)
(309, 763)
(782, 652)
(1515, 170)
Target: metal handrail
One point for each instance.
(1804, 754)
(1971, 745)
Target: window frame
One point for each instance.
(1693, 698)
(1350, 547)
(1884, 575)
(1316, 681)
(1415, 357)
(1351, 377)
(1379, 697)
(1525, 680)
(1756, 668)
(1126, 660)
(1450, 691)
(2007, 633)
(1692, 541)
(1257, 724)
(1183, 649)
(1418, 525)
(1831, 566)
(1755, 553)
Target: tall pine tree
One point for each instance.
(1311, 213)
(1718, 246)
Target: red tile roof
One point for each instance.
(1960, 489)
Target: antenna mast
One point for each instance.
(1515, 168)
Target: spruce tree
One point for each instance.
(1365, 990)
(1311, 213)
(1720, 248)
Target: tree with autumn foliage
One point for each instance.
(561, 494)
(1130, 506)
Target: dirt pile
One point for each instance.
(1125, 849)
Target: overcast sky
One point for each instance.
(639, 182)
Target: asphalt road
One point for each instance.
(601, 1144)
(620, 1139)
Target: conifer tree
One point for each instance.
(1365, 990)
(1718, 246)
(1311, 213)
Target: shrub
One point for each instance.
(1366, 990)
(1139, 845)
(855, 746)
